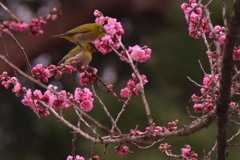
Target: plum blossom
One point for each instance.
(76, 158)
(188, 154)
(197, 21)
(113, 29)
(137, 53)
(83, 97)
(121, 150)
(219, 33)
(88, 76)
(133, 86)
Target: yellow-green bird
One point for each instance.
(85, 33)
(81, 55)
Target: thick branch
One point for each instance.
(225, 82)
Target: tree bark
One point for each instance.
(225, 82)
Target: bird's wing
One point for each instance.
(72, 53)
(76, 30)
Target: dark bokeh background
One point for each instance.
(159, 24)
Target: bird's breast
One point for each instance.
(85, 37)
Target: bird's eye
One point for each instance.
(101, 30)
(90, 48)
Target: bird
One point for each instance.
(81, 55)
(85, 33)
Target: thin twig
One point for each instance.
(234, 136)
(106, 110)
(199, 85)
(6, 51)
(23, 52)
(149, 146)
(209, 2)
(209, 56)
(108, 90)
(67, 123)
(217, 45)
(211, 151)
(13, 16)
(123, 109)
(74, 140)
(141, 89)
(104, 151)
(52, 90)
(86, 123)
(202, 67)
(224, 13)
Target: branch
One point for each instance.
(13, 16)
(106, 110)
(23, 52)
(225, 81)
(52, 90)
(141, 89)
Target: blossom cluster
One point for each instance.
(83, 97)
(206, 102)
(220, 34)
(188, 154)
(34, 26)
(172, 126)
(137, 53)
(13, 82)
(121, 150)
(35, 98)
(165, 148)
(87, 75)
(113, 29)
(76, 158)
(197, 21)
(133, 86)
(236, 53)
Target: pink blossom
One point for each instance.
(86, 105)
(186, 150)
(233, 105)
(147, 129)
(79, 157)
(70, 157)
(17, 87)
(236, 52)
(158, 129)
(194, 97)
(121, 150)
(198, 107)
(35, 26)
(133, 85)
(139, 54)
(197, 21)
(220, 34)
(88, 76)
(208, 107)
(188, 154)
(206, 81)
(113, 29)
(83, 97)
(165, 148)
(18, 26)
(60, 101)
(125, 92)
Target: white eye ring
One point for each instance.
(101, 30)
(89, 48)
